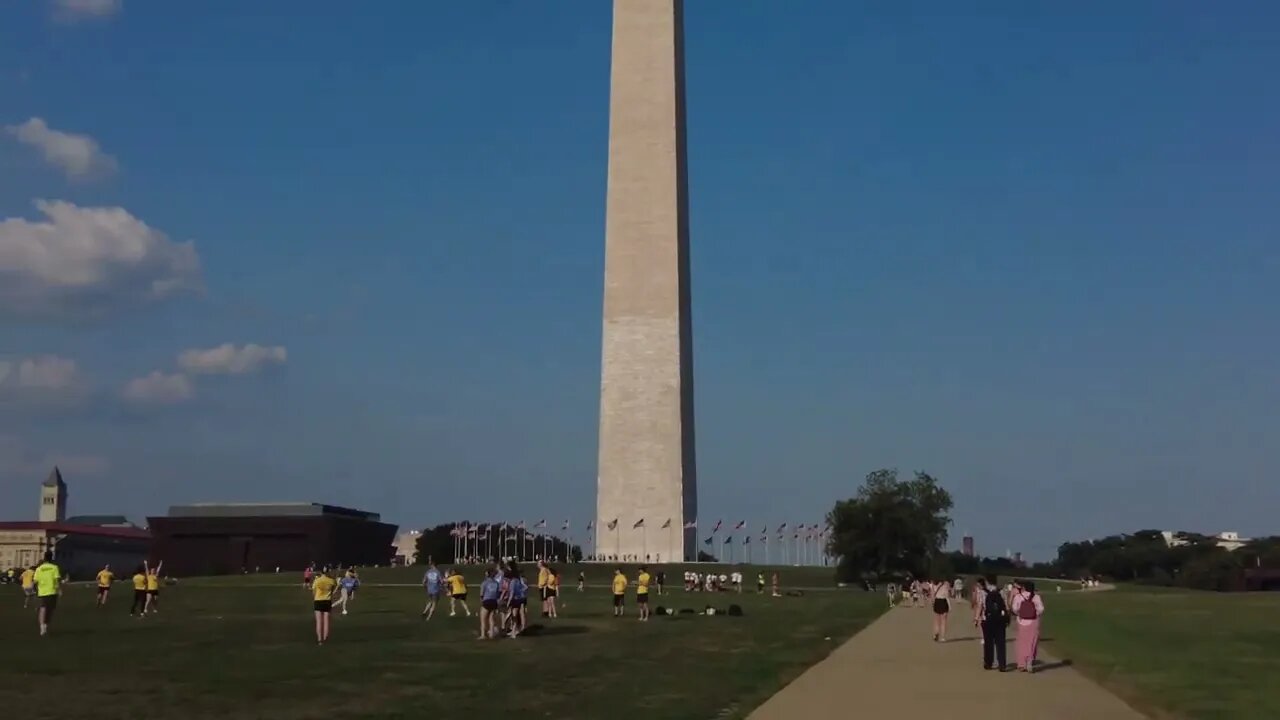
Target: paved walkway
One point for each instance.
(894, 669)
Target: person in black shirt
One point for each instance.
(995, 623)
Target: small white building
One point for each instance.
(1228, 540)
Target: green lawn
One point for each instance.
(243, 648)
(1174, 653)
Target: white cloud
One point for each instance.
(40, 382)
(79, 156)
(44, 372)
(17, 459)
(158, 389)
(72, 10)
(227, 359)
(88, 261)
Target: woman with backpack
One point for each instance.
(1027, 608)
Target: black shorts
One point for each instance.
(324, 606)
(490, 605)
(544, 592)
(941, 607)
(103, 590)
(550, 594)
(519, 602)
(459, 596)
(619, 600)
(139, 596)
(642, 598)
(49, 602)
(153, 593)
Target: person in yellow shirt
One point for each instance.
(544, 573)
(105, 578)
(619, 592)
(28, 585)
(153, 588)
(139, 606)
(322, 588)
(457, 592)
(642, 592)
(48, 588)
(553, 592)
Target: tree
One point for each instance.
(892, 526)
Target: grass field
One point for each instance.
(244, 648)
(1174, 653)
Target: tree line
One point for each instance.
(897, 527)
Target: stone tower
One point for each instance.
(53, 498)
(647, 483)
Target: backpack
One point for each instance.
(994, 609)
(1027, 610)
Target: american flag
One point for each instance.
(613, 523)
(740, 525)
(716, 529)
(541, 523)
(639, 524)
(691, 525)
(520, 525)
(666, 524)
(782, 527)
(591, 524)
(565, 526)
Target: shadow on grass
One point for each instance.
(1055, 665)
(545, 630)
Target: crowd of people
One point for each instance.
(503, 603)
(994, 608)
(42, 584)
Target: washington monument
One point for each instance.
(648, 487)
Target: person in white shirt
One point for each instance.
(941, 609)
(1027, 608)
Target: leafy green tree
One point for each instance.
(891, 527)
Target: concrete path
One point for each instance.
(894, 669)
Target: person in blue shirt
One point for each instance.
(347, 589)
(490, 591)
(518, 590)
(433, 581)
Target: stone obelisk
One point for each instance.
(647, 482)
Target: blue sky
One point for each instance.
(1032, 251)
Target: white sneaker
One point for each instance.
(344, 612)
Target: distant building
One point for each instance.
(80, 545)
(221, 539)
(1229, 541)
(407, 547)
(967, 545)
(53, 498)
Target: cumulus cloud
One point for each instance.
(73, 10)
(16, 459)
(44, 372)
(227, 359)
(79, 156)
(89, 261)
(158, 388)
(42, 382)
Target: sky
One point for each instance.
(287, 251)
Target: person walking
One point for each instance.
(941, 609)
(322, 587)
(995, 622)
(1028, 608)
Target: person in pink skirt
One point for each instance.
(1027, 609)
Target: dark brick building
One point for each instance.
(218, 539)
